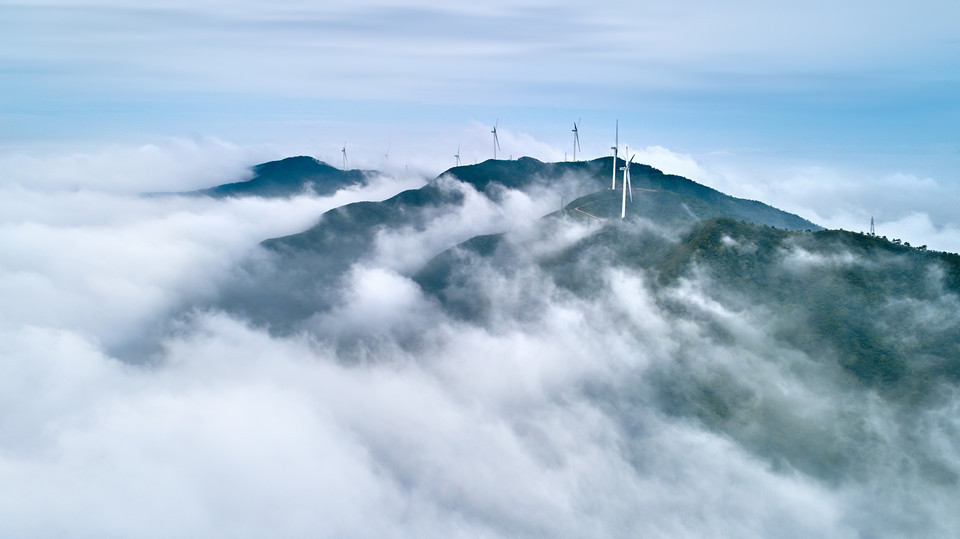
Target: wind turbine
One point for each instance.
(626, 185)
(344, 152)
(496, 141)
(576, 139)
(458, 155)
(613, 183)
(386, 155)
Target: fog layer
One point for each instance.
(591, 396)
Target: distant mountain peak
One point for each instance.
(300, 163)
(289, 177)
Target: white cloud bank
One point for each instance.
(920, 210)
(540, 424)
(242, 434)
(81, 252)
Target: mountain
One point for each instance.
(661, 197)
(317, 259)
(348, 230)
(852, 317)
(289, 177)
(783, 357)
(841, 288)
(675, 201)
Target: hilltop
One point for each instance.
(289, 177)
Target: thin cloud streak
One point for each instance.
(330, 50)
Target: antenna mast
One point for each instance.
(872, 232)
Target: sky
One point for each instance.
(131, 405)
(770, 101)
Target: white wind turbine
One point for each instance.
(458, 155)
(626, 184)
(344, 152)
(496, 141)
(615, 148)
(576, 139)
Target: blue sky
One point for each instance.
(749, 92)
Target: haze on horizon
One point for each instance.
(834, 111)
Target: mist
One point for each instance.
(585, 396)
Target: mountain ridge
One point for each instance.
(288, 177)
(315, 260)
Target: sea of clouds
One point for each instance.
(545, 420)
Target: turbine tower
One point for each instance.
(344, 152)
(626, 185)
(496, 141)
(458, 155)
(576, 139)
(615, 148)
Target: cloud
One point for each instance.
(246, 46)
(131, 258)
(620, 408)
(673, 163)
(241, 432)
(917, 209)
(409, 248)
(167, 166)
(918, 227)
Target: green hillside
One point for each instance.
(841, 312)
(675, 201)
(663, 198)
(842, 289)
(303, 273)
(289, 177)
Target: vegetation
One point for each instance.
(289, 177)
(841, 297)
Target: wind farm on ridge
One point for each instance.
(626, 187)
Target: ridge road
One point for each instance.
(632, 190)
